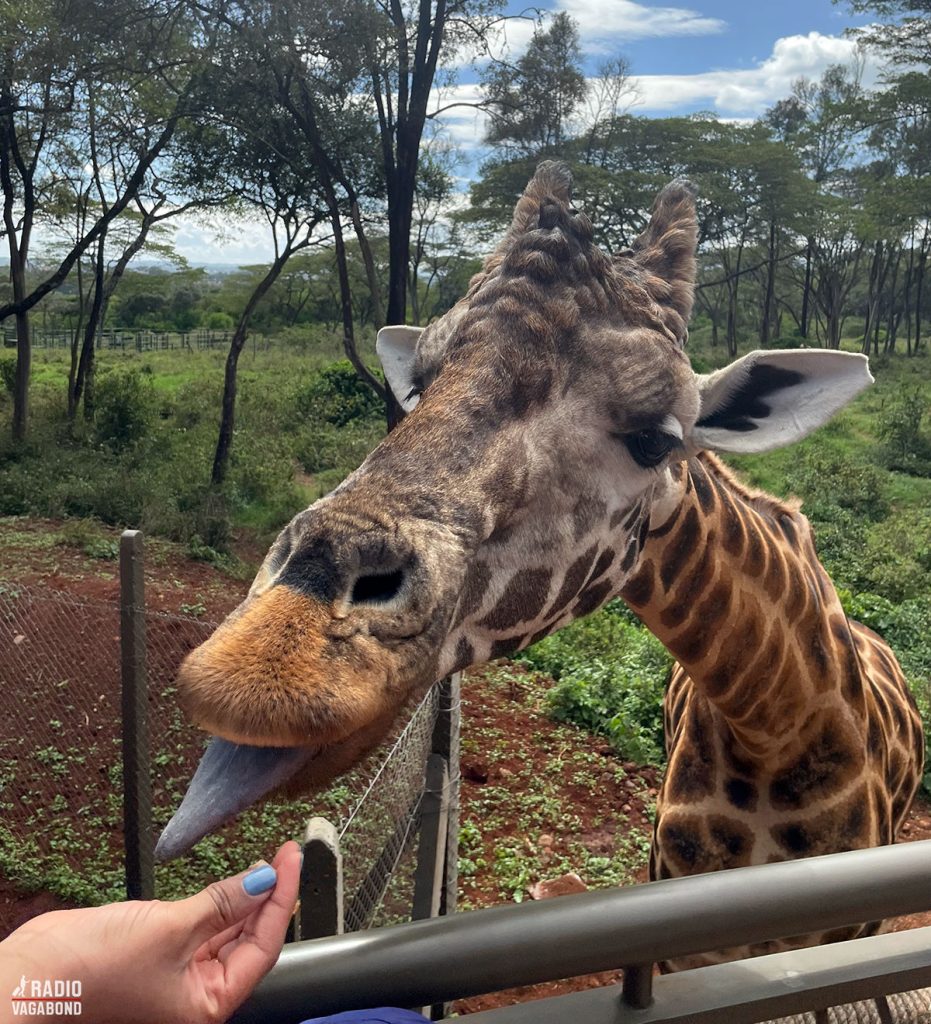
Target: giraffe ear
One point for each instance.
(770, 399)
(666, 251)
(397, 349)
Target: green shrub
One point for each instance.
(905, 448)
(126, 405)
(610, 677)
(336, 395)
(197, 402)
(218, 321)
(325, 447)
(827, 481)
(906, 627)
(8, 371)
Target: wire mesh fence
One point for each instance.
(127, 340)
(378, 833)
(61, 779)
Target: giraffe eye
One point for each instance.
(650, 447)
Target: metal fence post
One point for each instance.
(137, 780)
(320, 912)
(429, 874)
(637, 986)
(446, 744)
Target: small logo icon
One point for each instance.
(57, 998)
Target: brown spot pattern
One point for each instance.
(522, 600)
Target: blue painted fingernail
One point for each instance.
(260, 880)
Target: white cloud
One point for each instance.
(238, 240)
(604, 25)
(599, 20)
(459, 122)
(748, 91)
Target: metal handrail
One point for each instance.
(484, 951)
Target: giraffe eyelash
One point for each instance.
(651, 447)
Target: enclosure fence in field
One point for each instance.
(126, 340)
(95, 754)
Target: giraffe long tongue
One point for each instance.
(229, 778)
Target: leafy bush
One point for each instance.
(906, 627)
(336, 395)
(218, 321)
(8, 371)
(125, 406)
(610, 677)
(905, 448)
(326, 447)
(827, 481)
(197, 402)
(897, 559)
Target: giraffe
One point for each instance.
(556, 451)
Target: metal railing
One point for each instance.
(485, 951)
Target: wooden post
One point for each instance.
(320, 912)
(446, 744)
(137, 781)
(429, 874)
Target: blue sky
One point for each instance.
(733, 57)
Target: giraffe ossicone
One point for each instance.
(554, 455)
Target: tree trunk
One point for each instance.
(75, 343)
(368, 261)
(21, 385)
(919, 289)
(766, 324)
(221, 456)
(872, 299)
(400, 218)
(907, 298)
(84, 381)
(806, 290)
(892, 320)
(345, 305)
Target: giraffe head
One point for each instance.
(545, 414)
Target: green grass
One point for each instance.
(146, 460)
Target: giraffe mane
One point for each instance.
(766, 504)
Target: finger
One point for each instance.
(226, 903)
(262, 928)
(219, 946)
(215, 943)
(257, 949)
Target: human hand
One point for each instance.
(192, 961)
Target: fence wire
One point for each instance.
(378, 834)
(61, 788)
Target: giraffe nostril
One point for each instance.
(377, 588)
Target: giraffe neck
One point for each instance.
(731, 584)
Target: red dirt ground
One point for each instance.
(510, 712)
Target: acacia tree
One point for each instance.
(903, 35)
(64, 64)
(256, 159)
(817, 121)
(532, 103)
(359, 70)
(899, 205)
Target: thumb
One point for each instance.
(224, 904)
